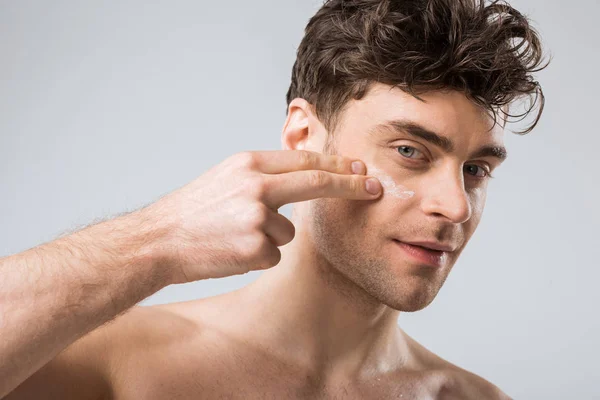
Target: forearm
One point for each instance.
(53, 294)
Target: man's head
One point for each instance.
(414, 88)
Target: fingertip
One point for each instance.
(373, 186)
(359, 168)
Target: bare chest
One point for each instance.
(236, 375)
(248, 387)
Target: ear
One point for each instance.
(302, 130)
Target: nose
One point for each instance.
(446, 197)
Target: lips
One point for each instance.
(425, 253)
(433, 246)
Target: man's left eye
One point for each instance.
(476, 170)
(408, 151)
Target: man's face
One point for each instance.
(434, 191)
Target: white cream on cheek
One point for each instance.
(389, 186)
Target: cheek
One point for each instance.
(477, 199)
(350, 218)
(392, 186)
(341, 226)
(335, 214)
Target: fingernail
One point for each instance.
(373, 186)
(357, 167)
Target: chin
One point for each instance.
(409, 306)
(409, 299)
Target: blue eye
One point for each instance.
(477, 171)
(408, 151)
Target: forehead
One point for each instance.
(450, 113)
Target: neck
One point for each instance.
(320, 319)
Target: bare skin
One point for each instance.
(322, 323)
(223, 223)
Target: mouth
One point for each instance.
(426, 253)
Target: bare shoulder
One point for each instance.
(143, 332)
(148, 326)
(452, 381)
(91, 366)
(462, 384)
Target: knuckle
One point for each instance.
(252, 247)
(246, 159)
(357, 184)
(256, 216)
(261, 188)
(255, 186)
(290, 233)
(341, 164)
(273, 258)
(287, 229)
(306, 159)
(268, 255)
(318, 179)
(260, 244)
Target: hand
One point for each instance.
(225, 222)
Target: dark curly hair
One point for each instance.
(487, 50)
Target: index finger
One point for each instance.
(307, 185)
(283, 161)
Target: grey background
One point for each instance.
(105, 106)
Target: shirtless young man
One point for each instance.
(321, 321)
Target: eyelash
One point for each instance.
(488, 174)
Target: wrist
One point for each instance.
(151, 237)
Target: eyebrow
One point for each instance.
(446, 144)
